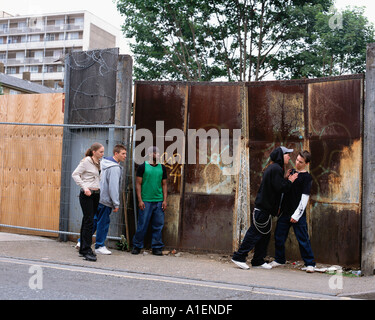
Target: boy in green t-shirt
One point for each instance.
(151, 187)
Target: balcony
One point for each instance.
(41, 29)
(56, 76)
(69, 43)
(47, 76)
(29, 61)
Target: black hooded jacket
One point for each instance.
(273, 184)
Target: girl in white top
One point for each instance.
(86, 175)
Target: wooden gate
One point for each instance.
(30, 161)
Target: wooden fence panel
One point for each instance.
(31, 161)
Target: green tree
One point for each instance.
(336, 46)
(236, 40)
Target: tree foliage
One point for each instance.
(336, 46)
(233, 40)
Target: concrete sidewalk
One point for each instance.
(208, 267)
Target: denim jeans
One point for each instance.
(257, 239)
(153, 213)
(101, 224)
(300, 230)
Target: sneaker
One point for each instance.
(157, 252)
(136, 250)
(91, 252)
(103, 250)
(275, 264)
(265, 265)
(89, 257)
(240, 264)
(310, 269)
(78, 245)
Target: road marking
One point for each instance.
(174, 280)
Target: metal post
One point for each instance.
(133, 176)
(66, 161)
(111, 141)
(368, 200)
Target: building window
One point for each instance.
(11, 70)
(34, 69)
(4, 27)
(22, 25)
(59, 22)
(34, 38)
(50, 37)
(73, 36)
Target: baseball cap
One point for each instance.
(286, 150)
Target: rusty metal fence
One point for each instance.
(209, 211)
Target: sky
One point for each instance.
(106, 10)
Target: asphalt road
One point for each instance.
(23, 279)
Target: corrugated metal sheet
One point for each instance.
(335, 131)
(209, 194)
(321, 115)
(167, 102)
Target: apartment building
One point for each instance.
(37, 44)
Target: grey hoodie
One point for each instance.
(110, 182)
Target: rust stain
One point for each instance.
(286, 113)
(211, 180)
(343, 179)
(172, 221)
(345, 185)
(334, 109)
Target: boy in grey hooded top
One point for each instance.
(110, 182)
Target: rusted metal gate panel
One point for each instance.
(207, 218)
(166, 102)
(325, 117)
(335, 129)
(207, 222)
(277, 116)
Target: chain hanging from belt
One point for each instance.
(260, 225)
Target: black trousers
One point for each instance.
(89, 206)
(256, 238)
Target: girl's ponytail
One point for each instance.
(95, 146)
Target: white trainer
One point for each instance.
(240, 264)
(264, 266)
(275, 264)
(102, 250)
(310, 269)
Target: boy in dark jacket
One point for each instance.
(267, 204)
(293, 213)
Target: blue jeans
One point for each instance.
(153, 213)
(300, 230)
(101, 224)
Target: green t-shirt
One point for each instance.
(152, 177)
